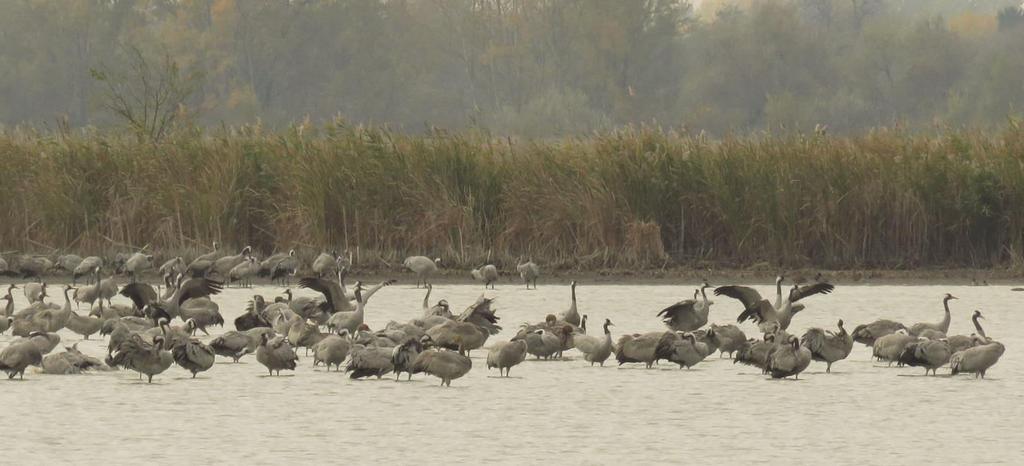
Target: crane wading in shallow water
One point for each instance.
(434, 340)
(423, 266)
(529, 273)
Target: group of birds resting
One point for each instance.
(438, 342)
(782, 354)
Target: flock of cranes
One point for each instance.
(143, 337)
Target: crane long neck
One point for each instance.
(946, 317)
(704, 295)
(977, 327)
(574, 293)
(606, 331)
(426, 300)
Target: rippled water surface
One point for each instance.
(557, 412)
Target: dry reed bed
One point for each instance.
(635, 197)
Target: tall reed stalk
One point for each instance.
(634, 197)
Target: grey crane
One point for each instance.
(571, 315)
(173, 267)
(254, 315)
(276, 354)
(17, 356)
(369, 361)
(441, 309)
(67, 262)
(596, 349)
(145, 298)
(828, 347)
(285, 268)
(487, 274)
(5, 322)
(728, 338)
(83, 325)
(235, 344)
(87, 268)
(788, 360)
(325, 264)
(890, 347)
(352, 320)
(35, 292)
(202, 264)
(8, 310)
(54, 320)
(542, 343)
(107, 289)
(137, 264)
(507, 354)
(145, 358)
(445, 365)
(243, 273)
(423, 266)
(193, 355)
(470, 330)
(778, 291)
(529, 272)
(44, 341)
(687, 315)
(962, 342)
(941, 326)
(404, 356)
(70, 362)
(333, 349)
(762, 312)
(303, 334)
(930, 354)
(978, 359)
(33, 266)
(335, 298)
(638, 348)
(267, 265)
(682, 348)
(222, 266)
(866, 334)
(755, 352)
(89, 293)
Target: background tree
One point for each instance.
(533, 68)
(149, 95)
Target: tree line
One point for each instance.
(531, 68)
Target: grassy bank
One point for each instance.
(633, 198)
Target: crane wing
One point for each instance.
(801, 292)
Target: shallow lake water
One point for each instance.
(553, 411)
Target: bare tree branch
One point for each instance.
(149, 98)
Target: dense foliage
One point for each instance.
(535, 68)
